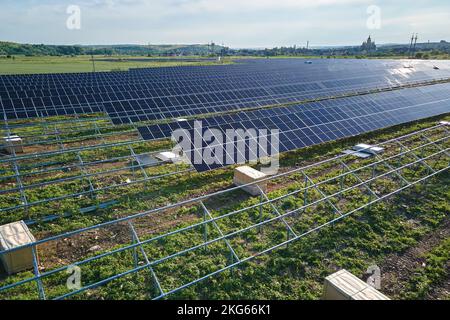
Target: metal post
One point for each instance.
(98, 133)
(133, 241)
(430, 169)
(19, 182)
(205, 227)
(323, 194)
(289, 229)
(147, 261)
(37, 274)
(86, 176)
(394, 171)
(347, 168)
(400, 158)
(305, 193)
(233, 255)
(260, 211)
(58, 139)
(133, 154)
(231, 261)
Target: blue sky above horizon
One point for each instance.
(236, 23)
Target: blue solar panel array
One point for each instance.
(173, 92)
(312, 123)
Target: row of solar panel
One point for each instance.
(11, 106)
(175, 88)
(304, 125)
(204, 96)
(159, 131)
(148, 78)
(318, 134)
(128, 108)
(137, 111)
(122, 110)
(329, 79)
(278, 64)
(210, 72)
(266, 76)
(149, 109)
(286, 64)
(311, 110)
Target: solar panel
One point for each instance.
(272, 90)
(162, 93)
(312, 123)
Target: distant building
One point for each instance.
(369, 45)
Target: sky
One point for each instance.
(234, 23)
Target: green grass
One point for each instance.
(68, 64)
(157, 193)
(434, 271)
(295, 272)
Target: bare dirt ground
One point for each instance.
(397, 269)
(441, 292)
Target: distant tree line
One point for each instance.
(423, 50)
(10, 49)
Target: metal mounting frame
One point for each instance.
(420, 152)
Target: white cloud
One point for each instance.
(422, 20)
(234, 22)
(183, 7)
(223, 6)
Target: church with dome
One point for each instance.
(369, 45)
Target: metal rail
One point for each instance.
(426, 159)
